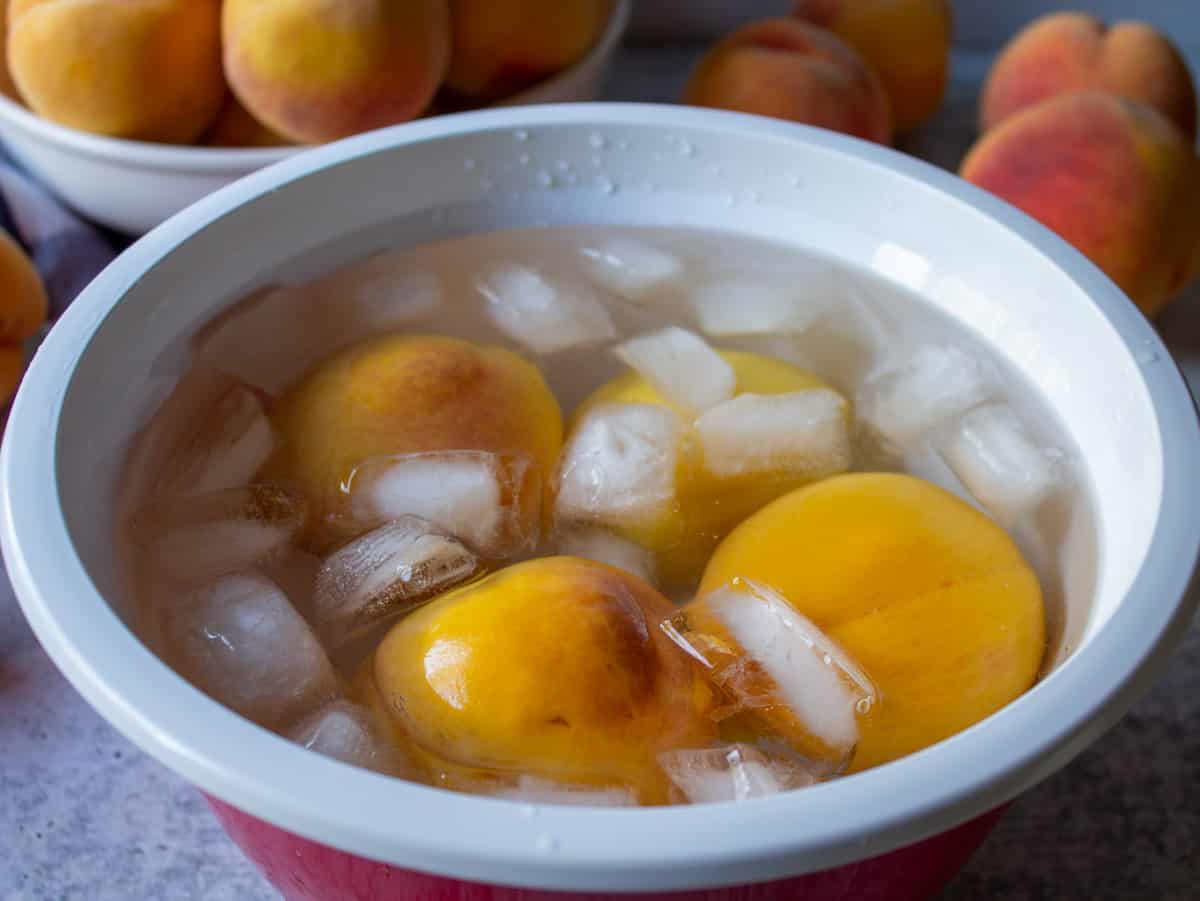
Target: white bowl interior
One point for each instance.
(1062, 325)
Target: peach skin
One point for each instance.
(7, 87)
(148, 71)
(500, 48)
(926, 594)
(907, 42)
(788, 69)
(236, 127)
(1069, 52)
(23, 301)
(1113, 177)
(317, 70)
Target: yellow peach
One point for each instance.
(236, 127)
(22, 296)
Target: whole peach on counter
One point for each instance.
(1113, 177)
(906, 42)
(12, 366)
(148, 71)
(317, 70)
(23, 301)
(501, 48)
(411, 394)
(929, 597)
(1070, 51)
(790, 70)
(554, 668)
(236, 127)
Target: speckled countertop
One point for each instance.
(85, 815)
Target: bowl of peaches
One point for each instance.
(130, 112)
(603, 499)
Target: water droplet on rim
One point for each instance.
(521, 134)
(547, 843)
(524, 159)
(598, 141)
(469, 164)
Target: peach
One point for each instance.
(555, 668)
(709, 505)
(148, 71)
(317, 70)
(12, 366)
(500, 48)
(1113, 177)
(6, 83)
(1069, 52)
(907, 42)
(403, 394)
(236, 127)
(23, 302)
(926, 594)
(791, 70)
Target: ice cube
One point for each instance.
(747, 306)
(904, 400)
(992, 453)
(597, 544)
(770, 661)
(384, 574)
(346, 732)
(735, 773)
(544, 313)
(207, 535)
(532, 790)
(847, 342)
(800, 433)
(239, 639)
(474, 496)
(631, 269)
(619, 465)
(276, 335)
(681, 367)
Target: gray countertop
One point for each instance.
(85, 815)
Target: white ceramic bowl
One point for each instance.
(132, 186)
(1097, 363)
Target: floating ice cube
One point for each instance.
(992, 454)
(207, 535)
(800, 433)
(735, 773)
(346, 732)
(543, 313)
(634, 270)
(240, 640)
(906, 399)
(474, 496)
(847, 342)
(532, 790)
(681, 367)
(758, 306)
(597, 544)
(384, 574)
(619, 465)
(769, 660)
(276, 335)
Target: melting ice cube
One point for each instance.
(770, 660)
(240, 640)
(474, 496)
(597, 544)
(346, 732)
(207, 535)
(532, 790)
(990, 450)
(545, 314)
(634, 270)
(906, 399)
(276, 335)
(386, 573)
(847, 342)
(681, 367)
(736, 773)
(619, 466)
(754, 307)
(800, 433)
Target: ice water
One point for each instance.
(232, 596)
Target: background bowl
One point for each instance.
(321, 829)
(132, 186)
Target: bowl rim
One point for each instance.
(570, 848)
(217, 160)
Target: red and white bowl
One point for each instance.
(323, 830)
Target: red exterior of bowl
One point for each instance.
(304, 870)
